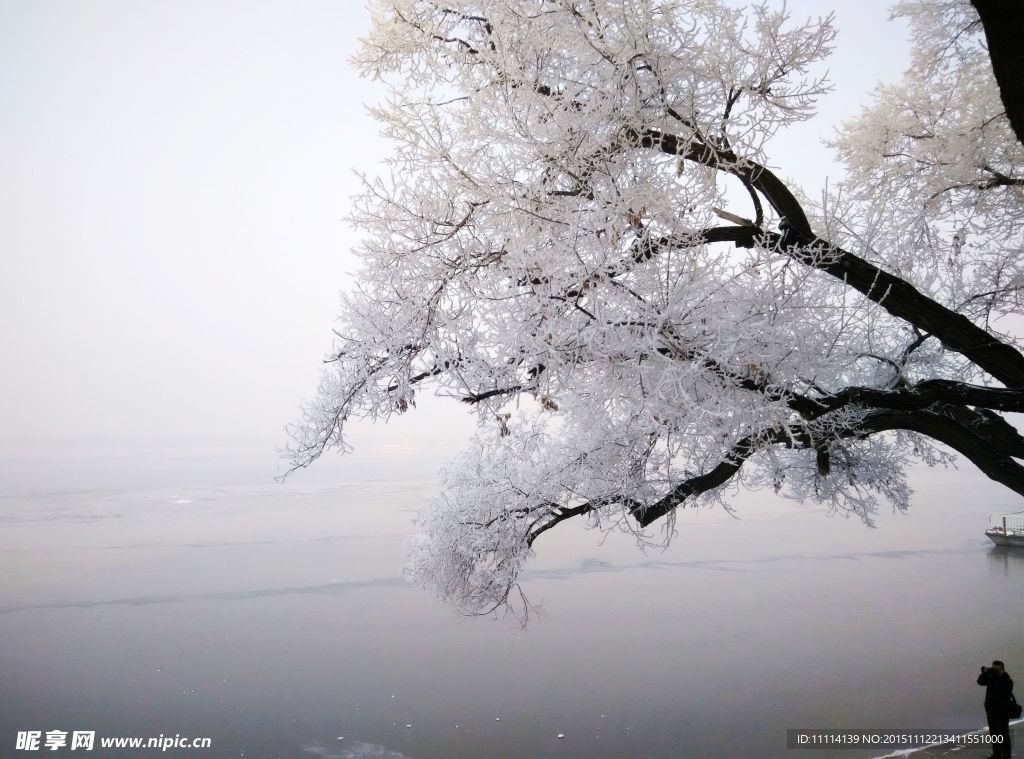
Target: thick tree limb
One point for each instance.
(721, 474)
(928, 392)
(994, 463)
(754, 174)
(1003, 21)
(987, 425)
(901, 299)
(895, 295)
(558, 516)
(950, 399)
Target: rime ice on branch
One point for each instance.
(580, 237)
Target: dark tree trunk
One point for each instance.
(1003, 21)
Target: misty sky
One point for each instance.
(173, 186)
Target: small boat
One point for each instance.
(1006, 529)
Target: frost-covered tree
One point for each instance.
(581, 236)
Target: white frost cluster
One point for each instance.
(540, 250)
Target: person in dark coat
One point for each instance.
(998, 690)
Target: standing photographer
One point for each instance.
(998, 699)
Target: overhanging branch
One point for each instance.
(926, 393)
(997, 465)
(895, 295)
(1003, 21)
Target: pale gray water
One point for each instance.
(275, 619)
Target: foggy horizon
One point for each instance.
(172, 214)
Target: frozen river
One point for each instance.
(275, 618)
